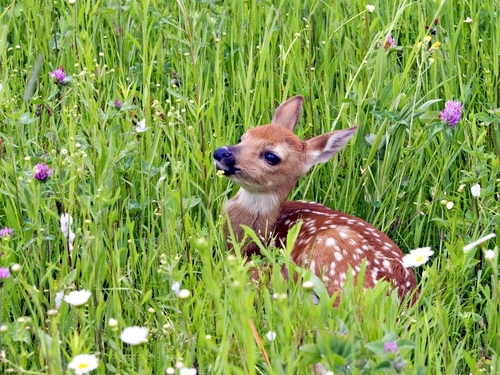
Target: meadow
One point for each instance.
(109, 114)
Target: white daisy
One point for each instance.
(417, 257)
(83, 363)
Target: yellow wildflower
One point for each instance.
(435, 46)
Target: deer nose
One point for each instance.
(224, 154)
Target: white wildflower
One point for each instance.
(78, 297)
(134, 335)
(489, 255)
(307, 285)
(16, 267)
(141, 126)
(112, 322)
(66, 222)
(187, 371)
(184, 293)
(476, 190)
(176, 286)
(370, 8)
(472, 245)
(59, 298)
(271, 336)
(417, 257)
(83, 363)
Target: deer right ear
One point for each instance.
(288, 113)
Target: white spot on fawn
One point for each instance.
(387, 265)
(330, 242)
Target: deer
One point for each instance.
(267, 163)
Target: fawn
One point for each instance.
(266, 164)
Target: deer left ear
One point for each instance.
(288, 113)
(323, 147)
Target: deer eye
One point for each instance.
(271, 158)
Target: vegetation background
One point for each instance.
(146, 204)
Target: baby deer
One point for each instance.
(266, 164)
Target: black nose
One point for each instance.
(223, 154)
(225, 160)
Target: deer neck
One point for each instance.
(259, 211)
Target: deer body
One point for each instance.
(267, 164)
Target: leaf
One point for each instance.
(428, 116)
(385, 365)
(427, 104)
(133, 207)
(191, 202)
(406, 343)
(147, 297)
(376, 347)
(310, 353)
(45, 342)
(379, 115)
(483, 117)
(371, 138)
(26, 118)
(111, 368)
(69, 278)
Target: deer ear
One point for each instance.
(322, 148)
(288, 113)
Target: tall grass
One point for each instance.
(146, 205)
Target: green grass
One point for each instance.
(146, 206)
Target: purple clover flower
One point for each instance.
(451, 113)
(118, 104)
(59, 76)
(389, 43)
(391, 347)
(399, 366)
(42, 172)
(4, 273)
(6, 232)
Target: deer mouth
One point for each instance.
(228, 170)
